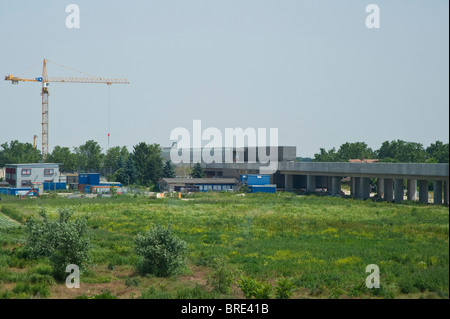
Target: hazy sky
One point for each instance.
(311, 68)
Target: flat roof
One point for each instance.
(34, 164)
(200, 180)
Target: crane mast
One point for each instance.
(45, 79)
(45, 95)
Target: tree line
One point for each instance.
(397, 151)
(144, 165)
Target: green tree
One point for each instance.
(357, 150)
(155, 164)
(89, 156)
(438, 152)
(169, 170)
(324, 156)
(130, 171)
(149, 163)
(402, 152)
(197, 171)
(18, 153)
(112, 157)
(64, 156)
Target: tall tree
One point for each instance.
(112, 157)
(197, 171)
(402, 152)
(357, 150)
(18, 153)
(438, 152)
(130, 171)
(89, 156)
(155, 163)
(64, 156)
(149, 163)
(324, 156)
(169, 170)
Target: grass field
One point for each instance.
(322, 244)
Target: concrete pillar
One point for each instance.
(357, 184)
(412, 190)
(388, 189)
(364, 188)
(311, 183)
(380, 187)
(335, 186)
(288, 182)
(352, 186)
(399, 190)
(330, 184)
(437, 189)
(446, 193)
(423, 191)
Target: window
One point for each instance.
(48, 171)
(26, 183)
(26, 171)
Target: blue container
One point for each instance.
(264, 189)
(258, 179)
(243, 178)
(48, 186)
(94, 179)
(87, 188)
(83, 178)
(4, 191)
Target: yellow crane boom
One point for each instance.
(45, 79)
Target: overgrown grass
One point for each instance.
(322, 243)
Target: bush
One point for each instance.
(284, 288)
(253, 288)
(62, 241)
(132, 282)
(164, 253)
(222, 276)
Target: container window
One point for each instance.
(26, 171)
(48, 171)
(26, 183)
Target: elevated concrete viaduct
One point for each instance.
(391, 178)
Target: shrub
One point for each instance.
(62, 241)
(248, 286)
(222, 276)
(163, 252)
(105, 294)
(132, 282)
(253, 288)
(284, 288)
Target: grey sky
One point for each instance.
(309, 68)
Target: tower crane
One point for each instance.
(45, 80)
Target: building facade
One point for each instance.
(197, 184)
(25, 175)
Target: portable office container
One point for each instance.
(263, 188)
(94, 179)
(83, 179)
(258, 179)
